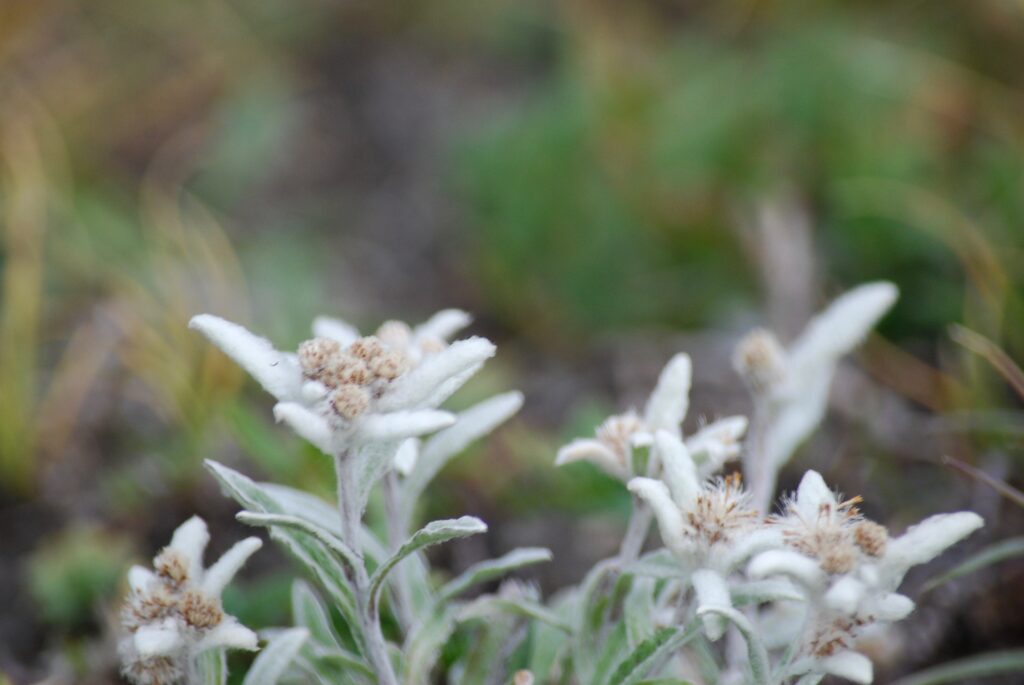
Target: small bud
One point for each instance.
(349, 401)
(145, 607)
(760, 360)
(200, 611)
(871, 537)
(171, 567)
(395, 334)
(366, 348)
(389, 365)
(316, 354)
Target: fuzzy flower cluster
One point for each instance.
(820, 573)
(340, 389)
(173, 613)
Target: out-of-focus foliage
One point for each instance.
(75, 574)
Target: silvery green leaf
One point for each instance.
(277, 372)
(649, 653)
(275, 657)
(308, 425)
(670, 399)
(606, 657)
(336, 329)
(308, 612)
(310, 507)
(491, 569)
(757, 655)
(638, 611)
(413, 389)
(349, 560)
(423, 645)
(489, 606)
(433, 533)
(469, 425)
(211, 667)
(548, 645)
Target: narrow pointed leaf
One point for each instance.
(492, 569)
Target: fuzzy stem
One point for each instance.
(397, 533)
(636, 532)
(345, 465)
(760, 476)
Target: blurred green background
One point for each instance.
(601, 183)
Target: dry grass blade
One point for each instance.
(1002, 487)
(993, 354)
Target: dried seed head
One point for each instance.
(389, 365)
(315, 355)
(145, 607)
(348, 370)
(760, 360)
(366, 348)
(871, 537)
(159, 670)
(720, 512)
(349, 401)
(838, 558)
(199, 611)
(616, 433)
(172, 567)
(395, 334)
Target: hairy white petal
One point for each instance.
(419, 386)
(309, 425)
(336, 329)
(850, 665)
(400, 425)
(811, 494)
(139, 578)
(712, 591)
(597, 453)
(444, 324)
(786, 562)
(680, 472)
(841, 326)
(278, 373)
(845, 595)
(754, 542)
(220, 574)
(190, 540)
(670, 400)
(891, 606)
(159, 639)
(670, 523)
(717, 443)
(925, 541)
(406, 456)
(229, 633)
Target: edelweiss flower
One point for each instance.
(173, 613)
(791, 387)
(340, 389)
(709, 526)
(612, 447)
(849, 569)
